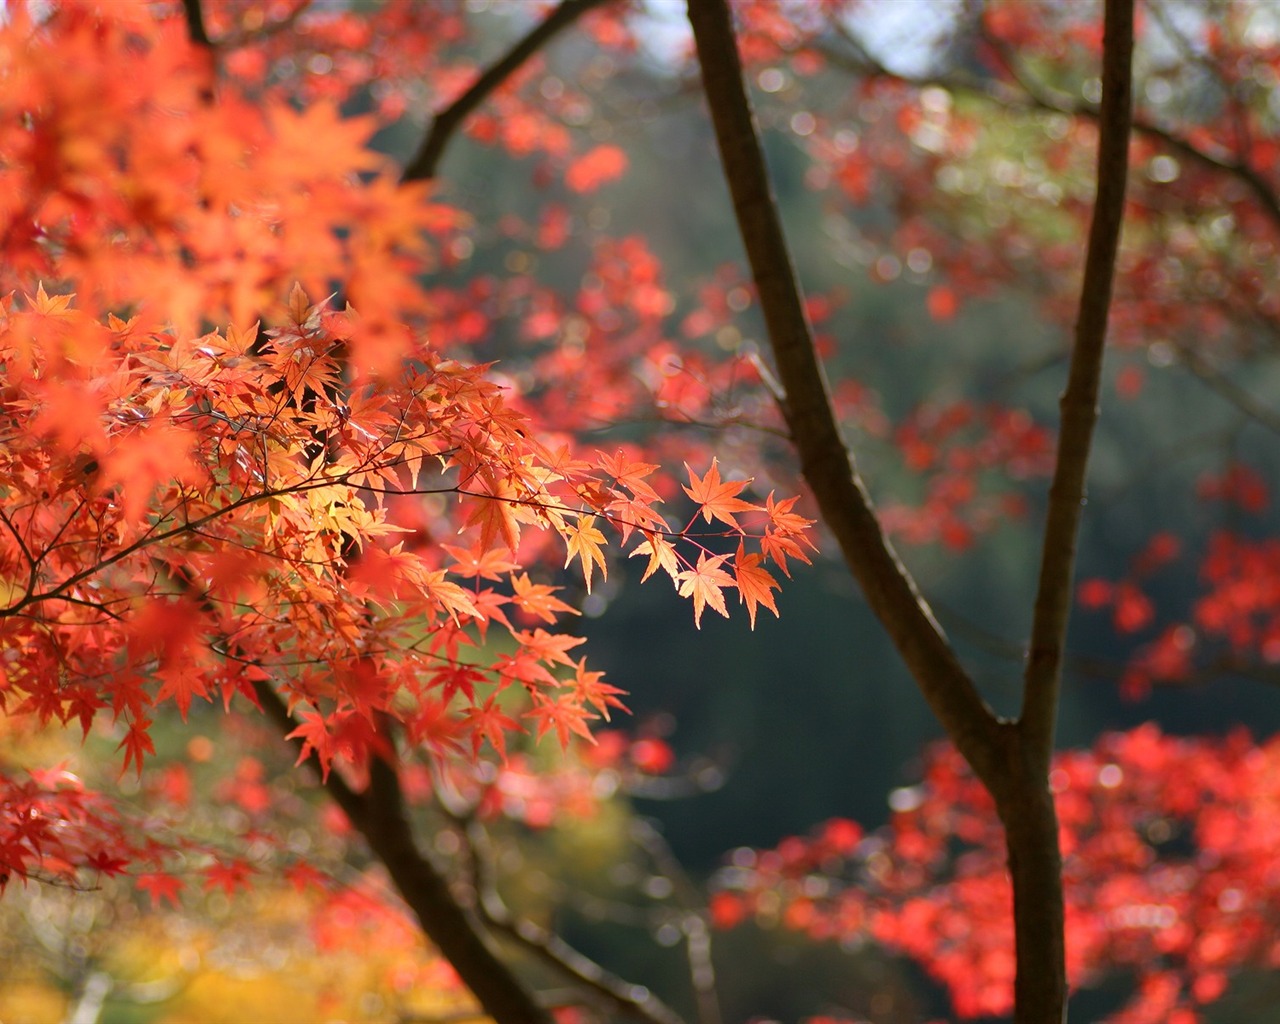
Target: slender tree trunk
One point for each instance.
(1011, 758)
(1039, 926)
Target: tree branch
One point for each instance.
(631, 1000)
(1079, 402)
(455, 932)
(826, 463)
(196, 31)
(427, 159)
(1025, 805)
(1027, 94)
(1047, 99)
(696, 926)
(1244, 401)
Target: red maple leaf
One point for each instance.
(596, 167)
(563, 714)
(160, 886)
(228, 876)
(717, 499)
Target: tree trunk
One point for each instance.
(1011, 758)
(1035, 867)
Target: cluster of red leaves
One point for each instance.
(1168, 846)
(931, 139)
(963, 452)
(190, 515)
(1234, 622)
(208, 514)
(138, 189)
(53, 829)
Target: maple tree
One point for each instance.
(276, 441)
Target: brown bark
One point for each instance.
(1012, 759)
(1079, 402)
(1031, 824)
(379, 816)
(1035, 869)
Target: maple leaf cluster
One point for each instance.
(214, 517)
(332, 510)
(1232, 625)
(135, 186)
(1166, 842)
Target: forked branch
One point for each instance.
(1079, 402)
(620, 997)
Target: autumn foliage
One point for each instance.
(234, 499)
(189, 515)
(1170, 877)
(278, 448)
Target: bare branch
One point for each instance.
(695, 925)
(1244, 401)
(426, 160)
(1079, 402)
(1028, 94)
(621, 997)
(246, 37)
(1045, 98)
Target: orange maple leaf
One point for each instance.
(785, 535)
(478, 562)
(182, 682)
(538, 598)
(630, 474)
(755, 584)
(496, 515)
(583, 541)
(662, 555)
(565, 715)
(590, 688)
(716, 498)
(705, 583)
(160, 886)
(548, 647)
(50, 305)
(487, 722)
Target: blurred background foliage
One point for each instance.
(808, 717)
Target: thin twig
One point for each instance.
(612, 991)
(694, 924)
(426, 160)
(1215, 380)
(1048, 99)
(1029, 94)
(245, 37)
